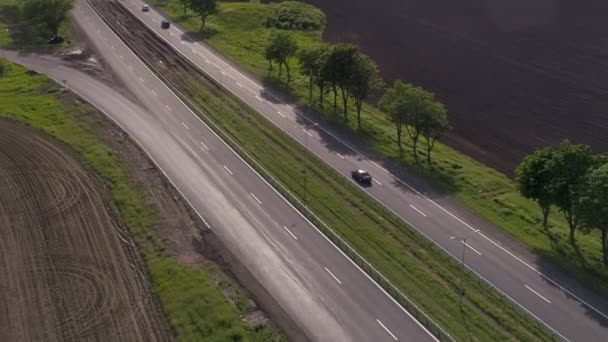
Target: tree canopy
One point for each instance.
(535, 176)
(281, 48)
(591, 204)
(48, 13)
(204, 8)
(364, 78)
(573, 161)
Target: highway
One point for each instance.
(545, 292)
(326, 294)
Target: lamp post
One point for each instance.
(463, 240)
(305, 164)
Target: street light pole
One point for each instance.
(460, 280)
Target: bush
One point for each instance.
(293, 15)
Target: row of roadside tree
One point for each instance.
(352, 77)
(572, 179)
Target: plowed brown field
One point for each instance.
(515, 74)
(68, 272)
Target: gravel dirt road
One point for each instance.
(68, 271)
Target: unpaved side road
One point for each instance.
(67, 270)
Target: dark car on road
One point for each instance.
(362, 177)
(165, 24)
(56, 40)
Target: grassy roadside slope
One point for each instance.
(194, 304)
(237, 31)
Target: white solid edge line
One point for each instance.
(406, 221)
(205, 146)
(473, 249)
(388, 331)
(279, 194)
(227, 169)
(419, 212)
(333, 276)
(186, 126)
(255, 198)
(536, 293)
(290, 233)
(377, 181)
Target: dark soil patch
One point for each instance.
(514, 74)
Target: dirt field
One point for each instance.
(515, 74)
(68, 271)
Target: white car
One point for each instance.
(145, 8)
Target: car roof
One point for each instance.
(361, 171)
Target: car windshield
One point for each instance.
(363, 173)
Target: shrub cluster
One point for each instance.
(293, 15)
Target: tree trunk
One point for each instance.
(415, 146)
(310, 89)
(399, 131)
(185, 8)
(288, 72)
(358, 104)
(545, 210)
(321, 95)
(203, 21)
(345, 102)
(430, 142)
(605, 245)
(280, 70)
(269, 65)
(571, 225)
(335, 99)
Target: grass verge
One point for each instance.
(193, 302)
(238, 31)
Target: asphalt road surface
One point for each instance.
(546, 293)
(328, 296)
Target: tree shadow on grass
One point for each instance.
(199, 36)
(24, 36)
(346, 141)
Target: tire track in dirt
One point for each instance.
(66, 272)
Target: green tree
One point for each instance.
(281, 48)
(312, 62)
(393, 105)
(572, 162)
(48, 13)
(590, 205)
(185, 5)
(365, 78)
(535, 176)
(204, 8)
(415, 110)
(434, 125)
(338, 71)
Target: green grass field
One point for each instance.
(238, 32)
(194, 304)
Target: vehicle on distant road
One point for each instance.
(56, 40)
(165, 24)
(145, 8)
(362, 177)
